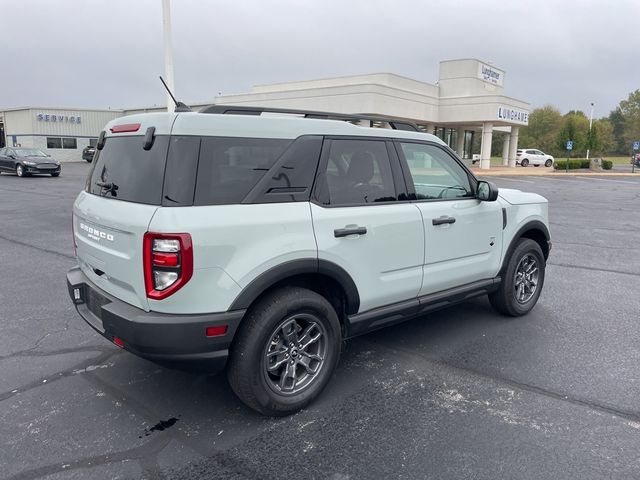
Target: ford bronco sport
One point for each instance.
(259, 243)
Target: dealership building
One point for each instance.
(467, 100)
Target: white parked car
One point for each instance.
(531, 156)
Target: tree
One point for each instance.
(616, 119)
(592, 140)
(568, 132)
(630, 110)
(607, 142)
(542, 129)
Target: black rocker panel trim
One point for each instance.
(293, 268)
(388, 315)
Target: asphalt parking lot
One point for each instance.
(460, 393)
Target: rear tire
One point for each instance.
(285, 351)
(524, 162)
(522, 280)
(548, 163)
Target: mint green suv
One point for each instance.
(259, 244)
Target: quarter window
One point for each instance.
(230, 167)
(358, 172)
(435, 173)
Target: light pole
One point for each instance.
(168, 54)
(590, 123)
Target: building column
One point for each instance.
(460, 142)
(505, 150)
(485, 153)
(513, 146)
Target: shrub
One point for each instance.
(576, 163)
(573, 164)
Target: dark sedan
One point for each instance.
(88, 152)
(27, 161)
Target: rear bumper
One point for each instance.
(172, 340)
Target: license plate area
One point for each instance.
(94, 302)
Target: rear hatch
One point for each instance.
(123, 191)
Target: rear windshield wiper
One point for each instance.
(108, 187)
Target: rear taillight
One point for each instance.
(168, 263)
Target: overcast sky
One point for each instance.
(108, 53)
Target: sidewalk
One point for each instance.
(497, 171)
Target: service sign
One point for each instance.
(48, 117)
(490, 74)
(513, 115)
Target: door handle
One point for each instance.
(343, 232)
(442, 220)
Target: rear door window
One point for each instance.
(357, 172)
(229, 167)
(123, 170)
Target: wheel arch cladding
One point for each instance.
(321, 276)
(534, 230)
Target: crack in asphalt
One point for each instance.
(36, 247)
(594, 269)
(98, 360)
(606, 247)
(31, 192)
(30, 353)
(149, 449)
(574, 400)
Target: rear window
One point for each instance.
(230, 167)
(123, 170)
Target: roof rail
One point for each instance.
(395, 124)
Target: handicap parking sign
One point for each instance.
(569, 145)
(636, 145)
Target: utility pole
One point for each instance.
(590, 123)
(168, 53)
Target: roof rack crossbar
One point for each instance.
(246, 110)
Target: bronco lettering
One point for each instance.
(96, 234)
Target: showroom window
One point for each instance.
(93, 142)
(57, 142)
(54, 142)
(69, 143)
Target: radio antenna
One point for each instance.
(180, 107)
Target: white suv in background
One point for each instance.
(257, 244)
(531, 156)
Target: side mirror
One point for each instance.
(487, 191)
(11, 155)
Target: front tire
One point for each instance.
(548, 163)
(524, 162)
(285, 351)
(57, 174)
(20, 171)
(522, 280)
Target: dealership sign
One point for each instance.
(47, 117)
(490, 74)
(513, 115)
